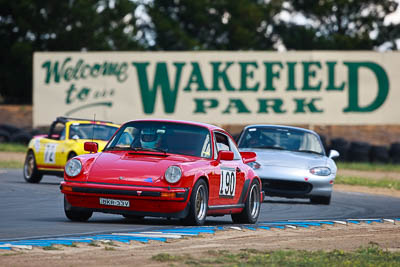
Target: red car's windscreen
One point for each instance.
(169, 137)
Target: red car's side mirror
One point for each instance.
(92, 147)
(225, 155)
(248, 157)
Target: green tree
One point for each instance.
(336, 24)
(27, 26)
(212, 25)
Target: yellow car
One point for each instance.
(48, 154)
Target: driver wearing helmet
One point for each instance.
(149, 138)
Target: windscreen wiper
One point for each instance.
(270, 147)
(148, 149)
(308, 151)
(117, 148)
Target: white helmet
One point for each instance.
(149, 138)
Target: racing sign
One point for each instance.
(227, 185)
(220, 87)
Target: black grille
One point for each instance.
(282, 187)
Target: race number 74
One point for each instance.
(227, 184)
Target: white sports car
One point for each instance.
(291, 162)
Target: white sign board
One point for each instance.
(318, 87)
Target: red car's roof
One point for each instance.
(205, 125)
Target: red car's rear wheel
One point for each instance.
(252, 207)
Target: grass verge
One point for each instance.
(11, 147)
(366, 166)
(12, 164)
(361, 181)
(368, 256)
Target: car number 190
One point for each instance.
(227, 184)
(114, 202)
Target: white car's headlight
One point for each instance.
(321, 171)
(73, 167)
(173, 174)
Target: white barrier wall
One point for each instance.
(318, 87)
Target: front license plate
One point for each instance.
(114, 202)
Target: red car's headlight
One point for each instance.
(173, 174)
(73, 167)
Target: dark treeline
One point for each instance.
(27, 26)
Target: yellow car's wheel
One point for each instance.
(31, 173)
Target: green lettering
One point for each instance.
(71, 89)
(291, 76)
(383, 86)
(301, 105)
(274, 103)
(221, 74)
(238, 104)
(197, 78)
(203, 104)
(161, 80)
(83, 94)
(331, 78)
(245, 73)
(309, 73)
(270, 74)
(53, 70)
(94, 72)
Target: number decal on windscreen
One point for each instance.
(227, 184)
(50, 153)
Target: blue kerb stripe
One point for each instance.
(78, 240)
(329, 223)
(197, 231)
(191, 231)
(303, 225)
(127, 239)
(39, 244)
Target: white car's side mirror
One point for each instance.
(333, 154)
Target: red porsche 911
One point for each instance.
(164, 168)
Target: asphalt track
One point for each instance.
(29, 211)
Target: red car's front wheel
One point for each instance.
(76, 214)
(198, 204)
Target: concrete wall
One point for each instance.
(21, 116)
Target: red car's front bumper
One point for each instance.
(143, 200)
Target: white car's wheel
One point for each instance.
(321, 200)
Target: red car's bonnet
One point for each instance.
(124, 167)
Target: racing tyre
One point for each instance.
(252, 206)
(31, 173)
(76, 214)
(198, 204)
(321, 200)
